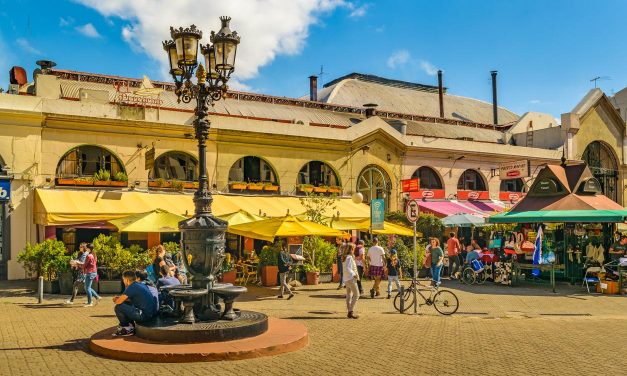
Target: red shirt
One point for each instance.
(90, 264)
(452, 246)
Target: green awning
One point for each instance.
(609, 216)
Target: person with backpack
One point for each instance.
(90, 270)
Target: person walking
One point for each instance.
(285, 265)
(80, 278)
(453, 249)
(90, 269)
(376, 257)
(350, 278)
(394, 272)
(437, 260)
(338, 260)
(359, 255)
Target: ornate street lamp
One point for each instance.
(203, 235)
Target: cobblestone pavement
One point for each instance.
(498, 330)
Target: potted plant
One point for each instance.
(335, 189)
(83, 181)
(305, 188)
(177, 185)
(237, 185)
(119, 179)
(268, 260)
(254, 186)
(270, 187)
(321, 256)
(321, 189)
(106, 249)
(159, 183)
(313, 276)
(228, 273)
(47, 259)
(102, 178)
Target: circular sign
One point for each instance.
(473, 195)
(428, 194)
(412, 210)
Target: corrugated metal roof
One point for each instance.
(417, 128)
(355, 92)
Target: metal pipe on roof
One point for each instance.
(441, 93)
(313, 88)
(494, 103)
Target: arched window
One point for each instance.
(512, 185)
(318, 174)
(602, 163)
(175, 165)
(87, 160)
(429, 179)
(471, 180)
(374, 182)
(252, 170)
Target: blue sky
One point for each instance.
(546, 52)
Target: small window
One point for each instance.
(175, 165)
(429, 179)
(471, 180)
(318, 174)
(512, 185)
(85, 161)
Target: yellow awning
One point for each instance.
(240, 217)
(158, 220)
(286, 226)
(389, 228)
(67, 207)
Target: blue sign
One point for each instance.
(5, 190)
(377, 214)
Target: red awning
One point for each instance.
(485, 207)
(444, 208)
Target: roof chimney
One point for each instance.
(313, 88)
(494, 105)
(441, 93)
(370, 109)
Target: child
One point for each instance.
(394, 271)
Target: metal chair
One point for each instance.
(588, 278)
(250, 271)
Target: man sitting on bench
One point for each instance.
(136, 304)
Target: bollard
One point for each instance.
(40, 290)
(402, 302)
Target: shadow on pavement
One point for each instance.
(71, 345)
(43, 305)
(342, 317)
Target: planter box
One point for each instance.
(228, 277)
(271, 188)
(269, 275)
(82, 183)
(190, 185)
(254, 187)
(51, 287)
(321, 189)
(66, 282)
(305, 189)
(110, 287)
(237, 186)
(114, 183)
(326, 277)
(336, 273)
(313, 278)
(110, 183)
(155, 184)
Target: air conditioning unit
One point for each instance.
(14, 89)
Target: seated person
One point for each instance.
(141, 276)
(167, 279)
(618, 249)
(475, 254)
(136, 304)
(252, 257)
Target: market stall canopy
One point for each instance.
(443, 209)
(239, 217)
(158, 220)
(463, 220)
(68, 207)
(286, 226)
(564, 193)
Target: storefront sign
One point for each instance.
(5, 190)
(473, 195)
(546, 187)
(411, 185)
(511, 196)
(146, 95)
(514, 170)
(428, 193)
(377, 214)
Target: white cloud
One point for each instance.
(27, 47)
(88, 30)
(267, 27)
(357, 12)
(63, 22)
(398, 58)
(428, 68)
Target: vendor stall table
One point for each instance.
(622, 279)
(543, 267)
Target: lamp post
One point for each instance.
(202, 235)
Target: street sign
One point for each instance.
(150, 159)
(514, 170)
(410, 185)
(412, 210)
(377, 214)
(5, 190)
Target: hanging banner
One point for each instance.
(377, 214)
(410, 185)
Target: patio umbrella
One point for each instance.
(239, 217)
(389, 228)
(288, 225)
(463, 220)
(157, 220)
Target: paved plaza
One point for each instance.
(498, 330)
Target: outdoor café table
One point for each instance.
(552, 267)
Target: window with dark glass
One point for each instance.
(317, 174)
(471, 180)
(175, 166)
(429, 179)
(86, 160)
(252, 170)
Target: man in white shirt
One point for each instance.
(376, 256)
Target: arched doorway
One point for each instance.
(175, 165)
(429, 179)
(373, 183)
(603, 165)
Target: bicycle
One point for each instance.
(444, 301)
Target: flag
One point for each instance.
(537, 253)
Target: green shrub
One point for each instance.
(319, 253)
(269, 255)
(102, 175)
(47, 259)
(120, 176)
(107, 250)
